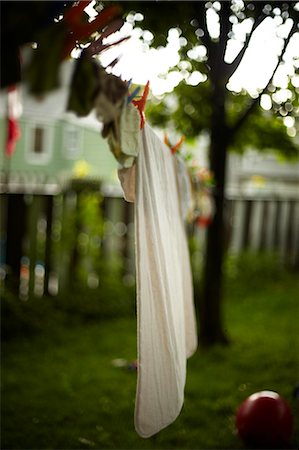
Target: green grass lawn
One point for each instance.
(61, 391)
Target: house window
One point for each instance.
(39, 143)
(72, 141)
(38, 140)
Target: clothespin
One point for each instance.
(176, 147)
(79, 30)
(97, 46)
(73, 14)
(133, 95)
(140, 104)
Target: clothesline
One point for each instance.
(122, 134)
(154, 176)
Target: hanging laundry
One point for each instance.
(154, 178)
(205, 208)
(93, 88)
(127, 178)
(122, 121)
(14, 111)
(126, 147)
(184, 179)
(165, 312)
(63, 25)
(204, 205)
(125, 143)
(185, 188)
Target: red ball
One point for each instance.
(265, 419)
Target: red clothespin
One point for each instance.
(79, 30)
(140, 104)
(176, 147)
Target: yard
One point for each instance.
(62, 390)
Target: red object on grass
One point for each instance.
(265, 420)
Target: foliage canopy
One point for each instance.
(203, 50)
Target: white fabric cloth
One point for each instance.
(165, 312)
(185, 188)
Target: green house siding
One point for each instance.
(20, 162)
(2, 140)
(67, 144)
(97, 154)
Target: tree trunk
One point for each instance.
(210, 311)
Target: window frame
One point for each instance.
(67, 153)
(45, 156)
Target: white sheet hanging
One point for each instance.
(165, 312)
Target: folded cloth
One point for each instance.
(166, 327)
(127, 178)
(124, 143)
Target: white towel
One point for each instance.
(165, 312)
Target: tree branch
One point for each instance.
(256, 100)
(200, 14)
(259, 16)
(225, 28)
(218, 65)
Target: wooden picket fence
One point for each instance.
(269, 224)
(51, 242)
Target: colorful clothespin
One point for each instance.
(140, 104)
(79, 30)
(133, 95)
(176, 147)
